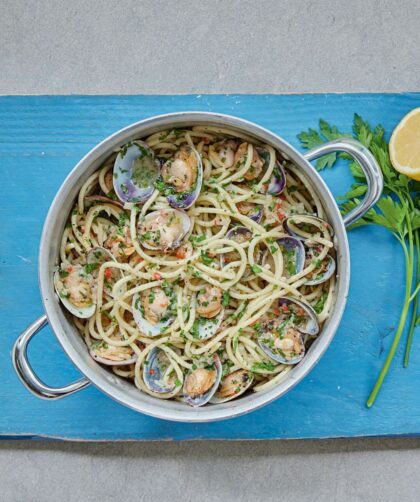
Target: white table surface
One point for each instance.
(188, 46)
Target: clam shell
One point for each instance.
(184, 200)
(153, 372)
(243, 385)
(309, 325)
(110, 362)
(208, 327)
(147, 328)
(237, 230)
(320, 278)
(278, 179)
(278, 356)
(184, 229)
(80, 312)
(205, 398)
(291, 244)
(256, 214)
(135, 171)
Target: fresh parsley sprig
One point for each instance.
(398, 210)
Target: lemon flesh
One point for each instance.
(404, 146)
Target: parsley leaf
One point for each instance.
(398, 210)
(256, 269)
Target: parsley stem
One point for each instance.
(409, 266)
(415, 304)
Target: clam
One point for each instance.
(299, 224)
(324, 269)
(233, 385)
(278, 178)
(293, 256)
(281, 341)
(210, 312)
(209, 301)
(253, 211)
(74, 286)
(96, 257)
(155, 372)
(257, 163)
(163, 229)
(153, 310)
(182, 176)
(202, 381)
(301, 315)
(240, 235)
(135, 171)
(111, 355)
(224, 152)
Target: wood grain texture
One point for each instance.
(42, 138)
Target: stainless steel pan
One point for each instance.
(73, 345)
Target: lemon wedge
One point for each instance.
(404, 146)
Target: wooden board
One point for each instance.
(42, 138)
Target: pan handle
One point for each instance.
(370, 168)
(26, 373)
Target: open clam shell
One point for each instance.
(301, 315)
(163, 229)
(104, 353)
(293, 256)
(277, 181)
(206, 328)
(253, 211)
(299, 224)
(201, 383)
(73, 284)
(146, 326)
(155, 372)
(324, 269)
(256, 213)
(135, 171)
(183, 177)
(232, 386)
(281, 342)
(238, 234)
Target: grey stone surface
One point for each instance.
(307, 471)
(184, 46)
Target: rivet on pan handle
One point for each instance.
(370, 168)
(26, 373)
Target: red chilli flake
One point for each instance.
(157, 276)
(108, 273)
(151, 372)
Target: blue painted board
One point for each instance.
(42, 138)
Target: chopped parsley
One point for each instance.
(90, 267)
(265, 366)
(319, 305)
(206, 259)
(195, 239)
(225, 298)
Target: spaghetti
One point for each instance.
(212, 280)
